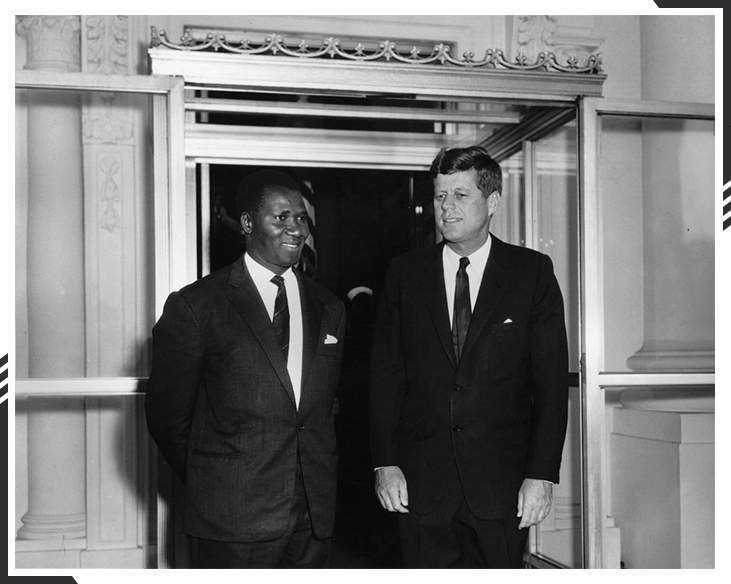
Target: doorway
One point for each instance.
(337, 124)
(360, 220)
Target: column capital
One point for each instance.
(54, 42)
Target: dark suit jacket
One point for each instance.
(500, 414)
(220, 406)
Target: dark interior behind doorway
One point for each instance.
(362, 219)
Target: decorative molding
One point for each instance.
(576, 41)
(102, 122)
(54, 42)
(693, 398)
(535, 35)
(109, 193)
(672, 360)
(275, 45)
(106, 44)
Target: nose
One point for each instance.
(448, 202)
(296, 227)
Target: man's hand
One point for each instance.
(391, 489)
(534, 501)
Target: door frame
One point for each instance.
(552, 94)
(170, 234)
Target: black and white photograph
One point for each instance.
(351, 292)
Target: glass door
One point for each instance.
(539, 210)
(99, 246)
(647, 324)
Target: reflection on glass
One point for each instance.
(555, 233)
(545, 218)
(85, 493)
(84, 302)
(656, 207)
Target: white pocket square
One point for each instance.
(507, 321)
(330, 340)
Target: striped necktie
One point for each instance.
(281, 315)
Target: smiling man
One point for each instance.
(469, 381)
(240, 397)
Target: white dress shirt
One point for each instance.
(475, 270)
(268, 291)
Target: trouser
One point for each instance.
(450, 536)
(297, 548)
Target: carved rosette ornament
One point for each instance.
(275, 45)
(103, 123)
(54, 42)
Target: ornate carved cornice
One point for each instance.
(275, 45)
(54, 42)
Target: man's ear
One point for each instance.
(246, 222)
(493, 202)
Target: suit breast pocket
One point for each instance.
(507, 349)
(329, 350)
(506, 328)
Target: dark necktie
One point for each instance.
(462, 307)
(281, 315)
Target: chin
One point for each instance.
(451, 235)
(290, 261)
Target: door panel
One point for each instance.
(94, 167)
(647, 252)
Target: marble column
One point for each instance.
(55, 275)
(678, 200)
(662, 441)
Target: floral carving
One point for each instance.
(107, 44)
(275, 45)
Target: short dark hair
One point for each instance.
(451, 160)
(255, 186)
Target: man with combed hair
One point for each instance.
(469, 381)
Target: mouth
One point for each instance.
(291, 245)
(449, 220)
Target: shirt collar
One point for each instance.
(262, 275)
(478, 258)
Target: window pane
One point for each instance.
(85, 483)
(656, 208)
(84, 258)
(555, 233)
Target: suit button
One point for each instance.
(457, 428)
(456, 387)
(301, 427)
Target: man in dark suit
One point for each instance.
(468, 392)
(240, 399)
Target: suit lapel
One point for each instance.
(246, 299)
(312, 310)
(435, 296)
(491, 290)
